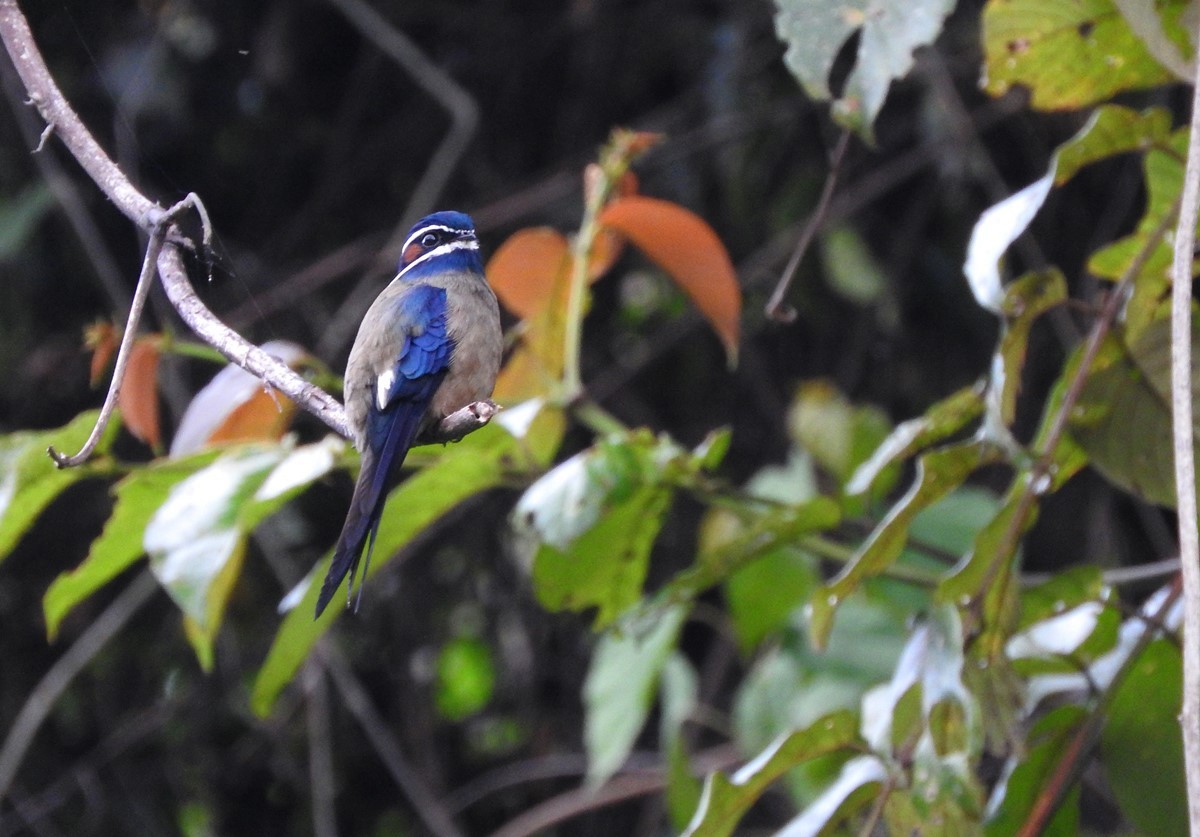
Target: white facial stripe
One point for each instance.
(448, 247)
(416, 234)
(383, 389)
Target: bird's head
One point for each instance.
(441, 241)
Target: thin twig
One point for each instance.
(45, 695)
(320, 751)
(623, 787)
(1185, 461)
(1117, 576)
(776, 308)
(144, 283)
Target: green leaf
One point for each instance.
(465, 677)
(1070, 53)
(763, 594)
(1047, 743)
(29, 479)
(1140, 746)
(1025, 299)
(941, 420)
(726, 799)
(680, 694)
(1122, 419)
(839, 435)
(622, 682)
(938, 472)
(192, 535)
(1163, 166)
(138, 497)
(606, 566)
(196, 543)
(815, 32)
(850, 268)
(463, 470)
(1111, 130)
(588, 525)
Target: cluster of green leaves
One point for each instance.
(856, 713)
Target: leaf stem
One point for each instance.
(599, 180)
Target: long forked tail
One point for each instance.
(376, 478)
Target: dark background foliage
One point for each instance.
(304, 140)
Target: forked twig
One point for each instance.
(160, 226)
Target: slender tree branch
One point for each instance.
(1185, 456)
(777, 309)
(320, 751)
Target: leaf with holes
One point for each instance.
(1072, 53)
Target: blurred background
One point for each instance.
(312, 146)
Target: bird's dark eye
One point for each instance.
(429, 239)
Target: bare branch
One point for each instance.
(1185, 453)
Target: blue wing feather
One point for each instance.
(418, 320)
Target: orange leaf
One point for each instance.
(682, 244)
(523, 271)
(138, 397)
(235, 407)
(102, 339)
(265, 415)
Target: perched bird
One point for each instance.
(429, 345)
